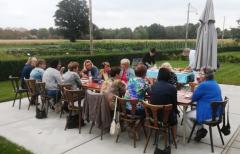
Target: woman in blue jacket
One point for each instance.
(207, 92)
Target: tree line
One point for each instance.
(154, 31)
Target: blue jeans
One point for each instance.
(55, 94)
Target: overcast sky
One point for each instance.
(117, 13)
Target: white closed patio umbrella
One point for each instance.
(206, 44)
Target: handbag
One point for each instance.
(73, 121)
(115, 128)
(226, 129)
(40, 114)
(167, 150)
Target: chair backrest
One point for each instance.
(73, 96)
(31, 86)
(41, 88)
(136, 61)
(122, 104)
(152, 114)
(61, 88)
(15, 83)
(218, 108)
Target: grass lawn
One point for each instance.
(6, 91)
(6, 147)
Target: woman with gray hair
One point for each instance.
(207, 92)
(127, 72)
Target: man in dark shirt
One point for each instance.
(163, 93)
(149, 58)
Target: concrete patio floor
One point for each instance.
(47, 136)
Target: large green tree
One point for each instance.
(156, 31)
(72, 18)
(140, 32)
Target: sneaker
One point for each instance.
(201, 133)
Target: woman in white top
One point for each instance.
(72, 77)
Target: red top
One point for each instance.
(124, 76)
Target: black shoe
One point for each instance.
(201, 133)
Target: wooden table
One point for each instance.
(184, 100)
(92, 86)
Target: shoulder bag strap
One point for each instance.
(228, 115)
(115, 109)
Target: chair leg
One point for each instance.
(150, 134)
(117, 138)
(90, 131)
(134, 138)
(211, 139)
(194, 126)
(46, 105)
(174, 140)
(61, 112)
(220, 133)
(144, 131)
(28, 96)
(156, 137)
(30, 100)
(20, 99)
(14, 99)
(68, 117)
(80, 121)
(102, 132)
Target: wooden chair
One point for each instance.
(71, 97)
(17, 90)
(44, 98)
(63, 98)
(214, 121)
(32, 90)
(133, 121)
(152, 122)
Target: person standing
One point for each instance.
(149, 58)
(191, 56)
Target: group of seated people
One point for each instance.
(128, 83)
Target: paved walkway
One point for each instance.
(48, 135)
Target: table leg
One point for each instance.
(184, 123)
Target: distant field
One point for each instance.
(17, 49)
